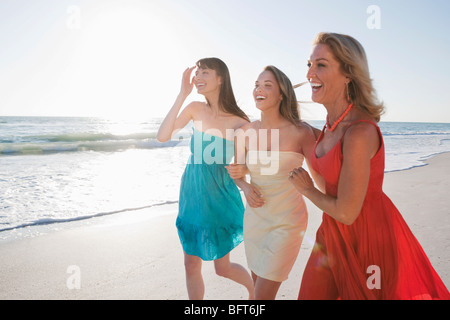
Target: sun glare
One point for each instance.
(119, 54)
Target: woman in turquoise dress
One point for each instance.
(210, 217)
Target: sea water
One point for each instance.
(69, 169)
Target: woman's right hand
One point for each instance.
(172, 122)
(187, 83)
(253, 195)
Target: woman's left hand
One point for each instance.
(301, 180)
(237, 171)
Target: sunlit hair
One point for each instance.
(352, 57)
(289, 106)
(227, 101)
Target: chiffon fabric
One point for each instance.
(274, 232)
(210, 216)
(377, 257)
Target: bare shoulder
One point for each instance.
(195, 106)
(363, 129)
(194, 109)
(363, 136)
(248, 129)
(239, 122)
(302, 131)
(312, 129)
(249, 125)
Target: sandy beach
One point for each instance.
(137, 255)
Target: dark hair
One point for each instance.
(227, 101)
(289, 105)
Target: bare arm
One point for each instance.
(239, 170)
(361, 144)
(308, 143)
(172, 122)
(252, 194)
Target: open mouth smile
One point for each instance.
(316, 86)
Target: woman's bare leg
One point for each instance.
(194, 279)
(265, 289)
(235, 272)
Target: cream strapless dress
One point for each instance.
(274, 232)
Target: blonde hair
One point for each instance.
(289, 108)
(352, 57)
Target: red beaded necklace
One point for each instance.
(331, 128)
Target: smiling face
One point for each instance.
(206, 81)
(267, 92)
(328, 81)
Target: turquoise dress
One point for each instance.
(211, 211)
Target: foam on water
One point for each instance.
(55, 170)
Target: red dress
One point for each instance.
(377, 257)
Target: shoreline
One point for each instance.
(138, 255)
(32, 229)
(424, 161)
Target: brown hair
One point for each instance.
(289, 105)
(352, 57)
(227, 101)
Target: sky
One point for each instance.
(125, 58)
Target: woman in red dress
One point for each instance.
(364, 249)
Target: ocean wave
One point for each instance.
(82, 137)
(81, 143)
(418, 133)
(47, 221)
(75, 137)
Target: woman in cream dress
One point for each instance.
(275, 218)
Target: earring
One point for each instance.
(348, 93)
